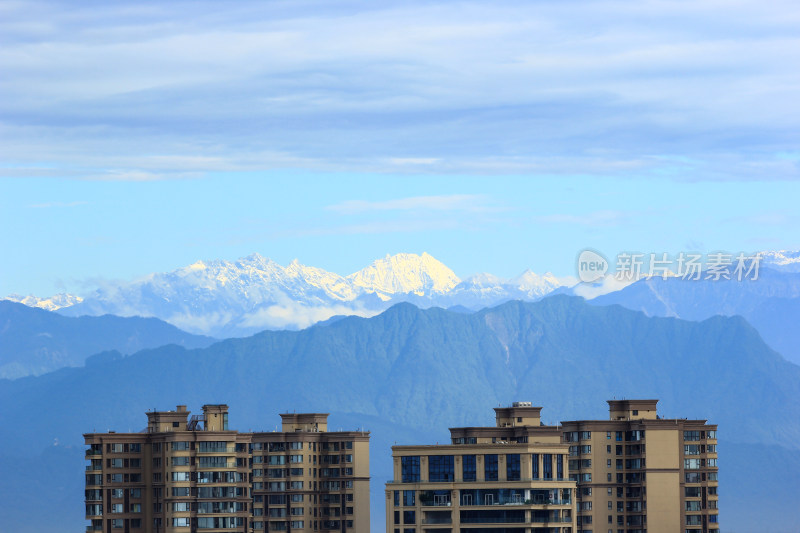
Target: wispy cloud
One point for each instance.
(610, 89)
(593, 219)
(450, 202)
(46, 205)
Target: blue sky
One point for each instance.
(141, 136)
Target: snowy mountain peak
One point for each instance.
(784, 259)
(484, 279)
(405, 273)
(50, 304)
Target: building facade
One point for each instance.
(633, 473)
(185, 474)
(511, 478)
(637, 472)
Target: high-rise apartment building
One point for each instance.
(638, 472)
(185, 474)
(634, 473)
(511, 478)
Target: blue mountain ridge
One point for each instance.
(409, 374)
(34, 341)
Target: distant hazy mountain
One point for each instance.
(52, 303)
(771, 303)
(784, 260)
(239, 298)
(34, 341)
(428, 370)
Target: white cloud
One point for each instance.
(604, 88)
(451, 202)
(46, 205)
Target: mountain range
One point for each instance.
(771, 303)
(34, 341)
(408, 374)
(239, 298)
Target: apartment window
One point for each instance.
(468, 467)
(117, 493)
(397, 498)
(618, 436)
(214, 446)
(608, 435)
(608, 449)
(156, 446)
(584, 506)
(535, 462)
(691, 464)
(180, 461)
(513, 467)
(560, 467)
(571, 436)
(711, 434)
(608, 463)
(135, 448)
(136, 507)
(409, 467)
(136, 523)
(490, 467)
(711, 463)
(409, 517)
(117, 523)
(440, 468)
(116, 508)
(586, 435)
(180, 522)
(547, 466)
(409, 498)
(180, 446)
(586, 491)
(691, 435)
(180, 476)
(180, 491)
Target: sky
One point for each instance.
(139, 137)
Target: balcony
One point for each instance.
(89, 529)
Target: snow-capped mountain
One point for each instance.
(784, 260)
(405, 273)
(52, 303)
(236, 298)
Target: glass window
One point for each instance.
(469, 467)
(513, 472)
(409, 498)
(440, 468)
(535, 462)
(409, 466)
(490, 467)
(560, 466)
(547, 466)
